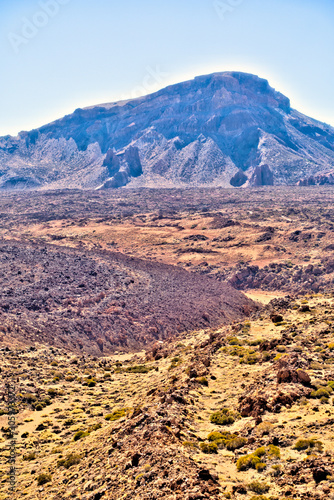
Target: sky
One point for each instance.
(60, 55)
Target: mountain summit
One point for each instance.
(225, 129)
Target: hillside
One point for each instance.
(225, 129)
(95, 302)
(240, 412)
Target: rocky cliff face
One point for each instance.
(226, 129)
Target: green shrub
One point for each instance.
(261, 497)
(236, 443)
(91, 382)
(116, 415)
(260, 452)
(209, 448)
(69, 422)
(331, 384)
(28, 398)
(139, 369)
(322, 392)
(227, 439)
(43, 479)
(251, 358)
(203, 381)
(281, 348)
(30, 456)
(94, 427)
(234, 341)
(255, 460)
(69, 461)
(79, 435)
(255, 342)
(190, 444)
(52, 392)
(248, 462)
(306, 444)
(258, 487)
(223, 417)
(215, 436)
(273, 451)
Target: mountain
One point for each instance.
(225, 129)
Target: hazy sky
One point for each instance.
(59, 55)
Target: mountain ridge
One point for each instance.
(224, 129)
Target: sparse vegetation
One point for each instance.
(69, 461)
(116, 415)
(223, 417)
(43, 479)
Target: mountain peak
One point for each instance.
(223, 129)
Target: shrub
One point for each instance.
(281, 348)
(215, 436)
(258, 487)
(52, 392)
(227, 439)
(69, 461)
(265, 428)
(28, 398)
(223, 417)
(261, 497)
(234, 341)
(30, 456)
(203, 381)
(91, 382)
(253, 460)
(209, 448)
(276, 470)
(69, 421)
(273, 451)
(116, 415)
(248, 462)
(139, 369)
(79, 435)
(306, 444)
(43, 479)
(322, 392)
(331, 384)
(94, 427)
(255, 342)
(236, 443)
(190, 444)
(24, 435)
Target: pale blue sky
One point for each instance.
(87, 52)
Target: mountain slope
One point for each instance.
(226, 129)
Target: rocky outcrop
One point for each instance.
(262, 176)
(322, 179)
(225, 129)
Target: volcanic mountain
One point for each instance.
(225, 129)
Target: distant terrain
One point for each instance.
(97, 271)
(226, 129)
